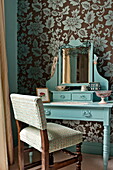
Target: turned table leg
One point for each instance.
(106, 146)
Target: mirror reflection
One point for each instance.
(75, 65)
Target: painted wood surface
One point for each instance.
(87, 112)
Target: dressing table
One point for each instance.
(72, 103)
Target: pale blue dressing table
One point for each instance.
(75, 104)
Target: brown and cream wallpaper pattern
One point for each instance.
(44, 25)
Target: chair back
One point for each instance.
(29, 109)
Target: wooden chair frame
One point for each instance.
(47, 158)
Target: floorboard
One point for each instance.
(90, 162)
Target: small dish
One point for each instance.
(60, 88)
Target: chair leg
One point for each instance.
(78, 152)
(45, 160)
(21, 155)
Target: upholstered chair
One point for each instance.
(44, 137)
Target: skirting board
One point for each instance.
(93, 148)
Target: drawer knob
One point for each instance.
(83, 97)
(62, 96)
(87, 114)
(47, 112)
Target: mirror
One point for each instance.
(75, 63)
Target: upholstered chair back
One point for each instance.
(29, 109)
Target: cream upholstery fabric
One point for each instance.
(29, 109)
(59, 137)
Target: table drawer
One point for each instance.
(75, 114)
(61, 97)
(81, 97)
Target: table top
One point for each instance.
(81, 104)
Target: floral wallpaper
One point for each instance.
(44, 25)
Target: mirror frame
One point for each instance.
(74, 44)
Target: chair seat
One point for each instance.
(59, 137)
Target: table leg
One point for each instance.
(30, 156)
(106, 146)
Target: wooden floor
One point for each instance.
(90, 162)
